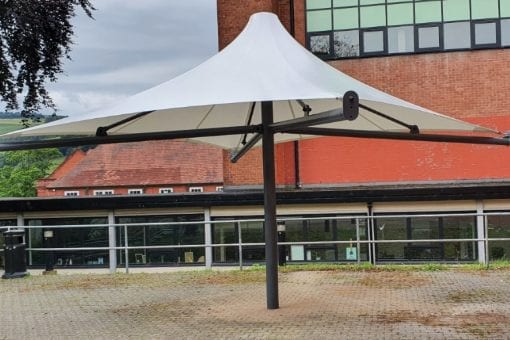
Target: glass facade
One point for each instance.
(225, 233)
(311, 230)
(314, 236)
(69, 238)
(498, 227)
(426, 228)
(164, 234)
(355, 28)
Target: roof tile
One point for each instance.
(146, 163)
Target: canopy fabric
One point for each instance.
(264, 63)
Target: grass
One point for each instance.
(364, 267)
(427, 267)
(8, 125)
(250, 275)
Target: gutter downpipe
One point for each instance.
(297, 177)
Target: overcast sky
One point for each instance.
(130, 46)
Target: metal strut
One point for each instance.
(102, 131)
(250, 117)
(235, 156)
(414, 129)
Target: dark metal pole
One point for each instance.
(270, 206)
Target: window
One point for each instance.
(219, 189)
(454, 10)
(339, 29)
(373, 41)
(400, 14)
(372, 16)
(485, 9)
(485, 33)
(505, 32)
(135, 191)
(71, 193)
(346, 43)
(429, 37)
(320, 44)
(401, 39)
(167, 232)
(345, 18)
(457, 35)
(196, 189)
(103, 192)
(319, 21)
(427, 11)
(166, 190)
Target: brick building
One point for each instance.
(404, 201)
(153, 167)
(466, 79)
(450, 57)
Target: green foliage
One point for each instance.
(21, 169)
(35, 35)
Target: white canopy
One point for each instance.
(264, 63)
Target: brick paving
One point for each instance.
(452, 304)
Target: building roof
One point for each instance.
(145, 163)
(441, 191)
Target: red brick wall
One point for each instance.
(326, 161)
(248, 170)
(460, 84)
(233, 16)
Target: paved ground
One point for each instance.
(451, 304)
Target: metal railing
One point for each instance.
(361, 222)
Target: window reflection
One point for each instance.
(461, 24)
(70, 238)
(426, 228)
(499, 227)
(164, 234)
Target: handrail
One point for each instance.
(361, 217)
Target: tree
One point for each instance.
(21, 169)
(35, 35)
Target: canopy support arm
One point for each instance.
(349, 111)
(412, 128)
(235, 156)
(399, 136)
(248, 123)
(102, 131)
(135, 137)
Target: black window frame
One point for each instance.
(333, 54)
(417, 48)
(444, 49)
(323, 56)
(384, 31)
(475, 46)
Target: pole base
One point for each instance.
(15, 275)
